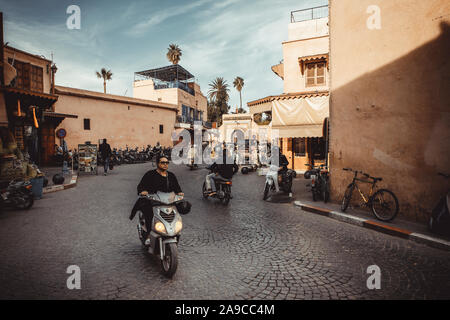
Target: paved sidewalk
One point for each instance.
(70, 180)
(399, 227)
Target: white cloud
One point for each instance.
(162, 15)
(226, 38)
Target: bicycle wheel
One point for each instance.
(384, 205)
(347, 197)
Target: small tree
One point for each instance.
(174, 53)
(238, 83)
(106, 75)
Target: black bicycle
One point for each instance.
(383, 202)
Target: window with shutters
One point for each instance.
(315, 74)
(161, 128)
(29, 77)
(37, 83)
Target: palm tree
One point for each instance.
(174, 53)
(218, 95)
(238, 83)
(106, 75)
(218, 91)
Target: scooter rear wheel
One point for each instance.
(205, 195)
(169, 263)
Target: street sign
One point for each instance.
(61, 133)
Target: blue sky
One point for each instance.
(225, 38)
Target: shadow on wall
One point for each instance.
(394, 123)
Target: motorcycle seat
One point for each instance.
(220, 179)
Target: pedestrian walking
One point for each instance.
(105, 153)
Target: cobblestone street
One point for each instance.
(249, 249)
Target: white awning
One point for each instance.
(304, 131)
(300, 117)
(260, 108)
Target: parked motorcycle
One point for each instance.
(165, 227)
(284, 182)
(320, 185)
(440, 217)
(16, 194)
(223, 189)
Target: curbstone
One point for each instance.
(73, 183)
(430, 241)
(347, 218)
(377, 226)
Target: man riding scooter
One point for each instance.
(157, 180)
(218, 171)
(279, 168)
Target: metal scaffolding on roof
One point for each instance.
(170, 73)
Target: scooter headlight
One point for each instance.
(159, 227)
(178, 226)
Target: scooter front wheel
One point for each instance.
(266, 191)
(169, 263)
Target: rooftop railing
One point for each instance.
(191, 120)
(309, 14)
(176, 84)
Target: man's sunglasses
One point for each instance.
(164, 162)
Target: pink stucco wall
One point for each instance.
(122, 120)
(390, 98)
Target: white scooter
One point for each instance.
(165, 228)
(284, 183)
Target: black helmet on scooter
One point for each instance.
(184, 207)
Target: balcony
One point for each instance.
(309, 14)
(176, 84)
(190, 120)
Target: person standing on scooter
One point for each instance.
(105, 152)
(157, 180)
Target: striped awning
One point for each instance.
(265, 104)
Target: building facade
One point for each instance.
(390, 97)
(27, 101)
(123, 121)
(299, 113)
(175, 85)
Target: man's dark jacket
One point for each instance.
(153, 182)
(105, 150)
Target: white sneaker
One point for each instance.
(147, 242)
